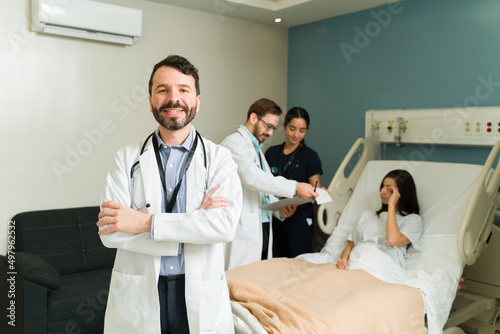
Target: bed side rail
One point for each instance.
(480, 212)
(341, 187)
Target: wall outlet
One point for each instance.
(488, 125)
(468, 128)
(477, 127)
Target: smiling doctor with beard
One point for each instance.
(166, 211)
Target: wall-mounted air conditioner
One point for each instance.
(87, 19)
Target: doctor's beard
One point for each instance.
(260, 136)
(173, 123)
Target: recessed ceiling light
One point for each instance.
(277, 20)
(272, 5)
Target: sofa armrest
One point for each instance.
(35, 269)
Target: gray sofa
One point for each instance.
(62, 273)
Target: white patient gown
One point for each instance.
(373, 254)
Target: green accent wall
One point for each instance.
(410, 54)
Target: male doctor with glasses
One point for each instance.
(253, 239)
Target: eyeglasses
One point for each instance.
(269, 127)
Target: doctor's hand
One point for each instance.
(210, 202)
(121, 218)
(288, 210)
(305, 190)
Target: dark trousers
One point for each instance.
(265, 240)
(173, 314)
(291, 237)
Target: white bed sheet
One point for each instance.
(443, 190)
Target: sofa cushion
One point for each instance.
(65, 238)
(35, 269)
(79, 305)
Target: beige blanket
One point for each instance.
(295, 296)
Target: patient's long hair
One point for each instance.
(408, 202)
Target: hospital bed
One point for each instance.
(457, 204)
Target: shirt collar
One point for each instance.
(255, 141)
(186, 144)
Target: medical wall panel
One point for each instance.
(475, 126)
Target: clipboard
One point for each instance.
(324, 197)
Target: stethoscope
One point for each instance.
(275, 169)
(135, 166)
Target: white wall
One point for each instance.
(67, 105)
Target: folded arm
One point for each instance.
(120, 218)
(214, 221)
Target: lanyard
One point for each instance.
(170, 205)
(260, 160)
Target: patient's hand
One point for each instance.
(343, 264)
(395, 195)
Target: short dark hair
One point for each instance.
(179, 63)
(297, 112)
(262, 107)
(408, 202)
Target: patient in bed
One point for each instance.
(379, 243)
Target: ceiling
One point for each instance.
(292, 12)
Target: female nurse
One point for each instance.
(294, 160)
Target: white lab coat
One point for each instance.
(246, 246)
(133, 305)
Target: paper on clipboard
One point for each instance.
(324, 197)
